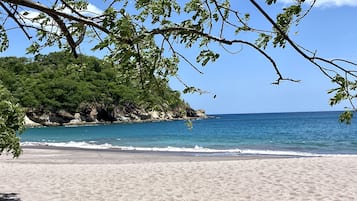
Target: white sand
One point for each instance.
(326, 178)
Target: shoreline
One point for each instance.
(181, 151)
(74, 155)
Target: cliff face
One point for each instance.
(98, 114)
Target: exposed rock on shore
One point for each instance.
(98, 114)
(30, 123)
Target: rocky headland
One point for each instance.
(57, 89)
(96, 114)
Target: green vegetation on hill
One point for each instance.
(58, 81)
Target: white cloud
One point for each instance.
(93, 10)
(28, 16)
(51, 25)
(327, 3)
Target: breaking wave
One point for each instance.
(195, 149)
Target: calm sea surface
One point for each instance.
(308, 133)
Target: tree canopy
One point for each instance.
(145, 35)
(58, 81)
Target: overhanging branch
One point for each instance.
(184, 30)
(12, 15)
(288, 39)
(53, 12)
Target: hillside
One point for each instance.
(59, 89)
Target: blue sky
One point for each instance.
(242, 82)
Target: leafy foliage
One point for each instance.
(59, 81)
(11, 123)
(345, 91)
(283, 22)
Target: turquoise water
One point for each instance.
(307, 133)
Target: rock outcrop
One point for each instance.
(28, 122)
(89, 114)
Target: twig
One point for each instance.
(12, 15)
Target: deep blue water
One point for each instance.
(277, 133)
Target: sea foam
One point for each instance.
(84, 145)
(195, 149)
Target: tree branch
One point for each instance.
(12, 15)
(337, 66)
(180, 55)
(66, 33)
(72, 9)
(287, 38)
(57, 15)
(223, 41)
(51, 12)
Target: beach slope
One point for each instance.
(42, 174)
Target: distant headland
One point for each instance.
(58, 89)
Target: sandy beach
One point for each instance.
(65, 174)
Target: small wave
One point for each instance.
(72, 144)
(196, 149)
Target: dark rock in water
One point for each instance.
(191, 112)
(201, 113)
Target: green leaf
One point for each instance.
(189, 90)
(4, 41)
(263, 40)
(205, 56)
(346, 117)
(33, 49)
(269, 2)
(189, 124)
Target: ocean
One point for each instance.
(290, 134)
